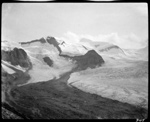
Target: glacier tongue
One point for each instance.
(118, 83)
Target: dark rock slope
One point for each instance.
(91, 59)
(17, 56)
(48, 61)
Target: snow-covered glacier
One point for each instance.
(84, 79)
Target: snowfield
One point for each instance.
(16, 67)
(73, 49)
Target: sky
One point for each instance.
(125, 24)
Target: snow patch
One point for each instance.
(7, 69)
(16, 67)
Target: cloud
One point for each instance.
(130, 41)
(71, 37)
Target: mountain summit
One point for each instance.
(48, 39)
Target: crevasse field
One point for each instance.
(126, 82)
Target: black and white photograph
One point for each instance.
(74, 60)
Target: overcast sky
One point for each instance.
(27, 21)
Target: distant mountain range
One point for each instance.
(49, 50)
(19, 56)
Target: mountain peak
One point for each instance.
(53, 41)
(91, 52)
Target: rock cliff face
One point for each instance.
(48, 61)
(17, 56)
(52, 40)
